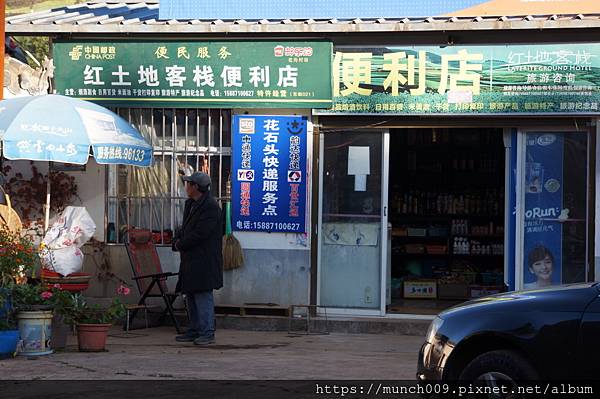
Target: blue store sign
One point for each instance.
(269, 173)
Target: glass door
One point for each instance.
(353, 222)
(554, 211)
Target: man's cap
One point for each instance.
(199, 178)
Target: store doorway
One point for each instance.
(446, 208)
(353, 222)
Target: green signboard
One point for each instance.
(235, 74)
(524, 79)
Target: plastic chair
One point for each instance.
(148, 274)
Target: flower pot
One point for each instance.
(36, 332)
(60, 332)
(8, 343)
(92, 337)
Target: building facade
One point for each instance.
(454, 157)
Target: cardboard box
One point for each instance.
(420, 289)
(414, 248)
(417, 232)
(453, 291)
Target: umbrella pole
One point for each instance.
(47, 206)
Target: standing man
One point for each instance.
(200, 243)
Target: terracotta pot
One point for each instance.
(92, 337)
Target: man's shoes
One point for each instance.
(201, 341)
(186, 337)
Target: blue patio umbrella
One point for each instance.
(63, 129)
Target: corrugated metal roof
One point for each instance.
(141, 17)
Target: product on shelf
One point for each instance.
(473, 202)
(466, 246)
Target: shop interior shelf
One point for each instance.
(399, 217)
(420, 255)
(480, 256)
(442, 238)
(495, 236)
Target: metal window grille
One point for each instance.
(184, 141)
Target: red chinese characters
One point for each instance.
(245, 199)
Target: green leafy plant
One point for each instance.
(18, 257)
(36, 297)
(61, 300)
(81, 313)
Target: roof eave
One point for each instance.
(180, 27)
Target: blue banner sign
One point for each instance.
(269, 173)
(544, 211)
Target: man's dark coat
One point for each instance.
(200, 244)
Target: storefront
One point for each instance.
(238, 110)
(451, 173)
(459, 158)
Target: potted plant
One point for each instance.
(17, 258)
(33, 305)
(61, 301)
(40, 313)
(92, 322)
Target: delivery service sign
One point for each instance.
(269, 173)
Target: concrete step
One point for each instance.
(347, 325)
(395, 325)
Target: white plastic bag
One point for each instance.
(73, 228)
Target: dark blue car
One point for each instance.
(528, 335)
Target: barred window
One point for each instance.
(184, 141)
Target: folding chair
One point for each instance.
(148, 274)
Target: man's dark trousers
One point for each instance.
(201, 311)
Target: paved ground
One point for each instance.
(238, 355)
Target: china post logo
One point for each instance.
(76, 52)
(247, 126)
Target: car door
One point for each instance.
(588, 349)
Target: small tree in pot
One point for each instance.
(92, 322)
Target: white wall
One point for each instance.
(90, 188)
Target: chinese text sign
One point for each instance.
(269, 173)
(196, 74)
(531, 79)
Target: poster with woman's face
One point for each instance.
(543, 209)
